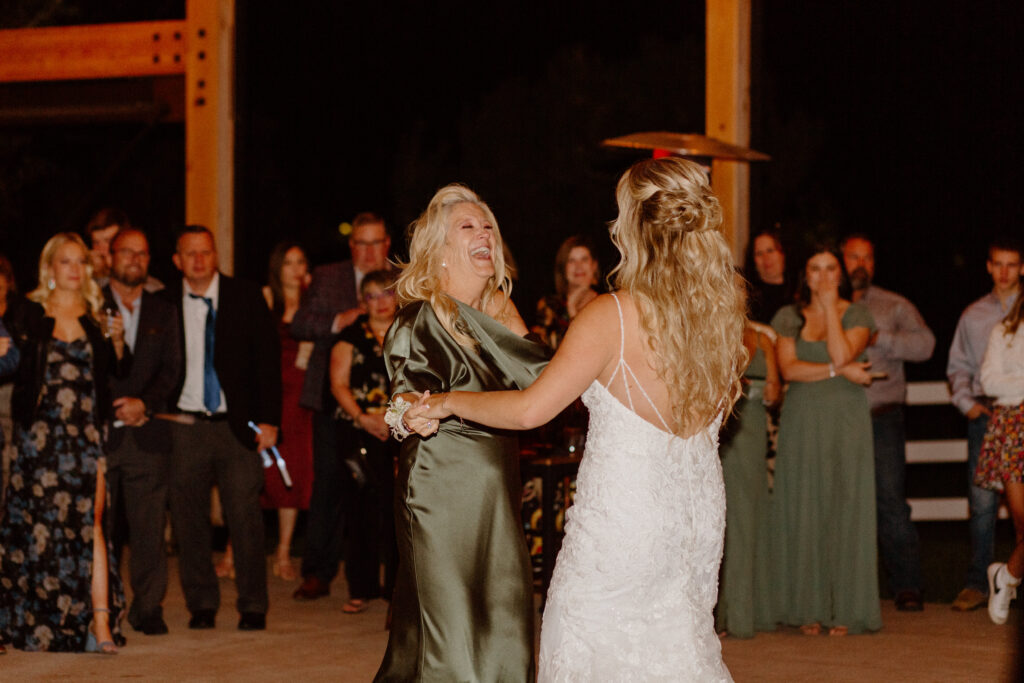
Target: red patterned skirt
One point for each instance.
(1002, 453)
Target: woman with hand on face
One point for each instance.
(58, 591)
(359, 383)
(658, 364)
(576, 275)
(825, 570)
(463, 601)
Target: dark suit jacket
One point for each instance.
(155, 372)
(247, 355)
(332, 291)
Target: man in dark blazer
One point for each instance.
(331, 304)
(139, 447)
(219, 394)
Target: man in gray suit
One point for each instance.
(331, 304)
(139, 447)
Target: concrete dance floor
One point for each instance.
(315, 641)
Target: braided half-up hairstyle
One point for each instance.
(678, 267)
(420, 279)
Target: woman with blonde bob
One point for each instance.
(463, 600)
(58, 591)
(658, 363)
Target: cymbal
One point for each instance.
(687, 145)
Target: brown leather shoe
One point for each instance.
(969, 599)
(311, 589)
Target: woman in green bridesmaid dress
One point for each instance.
(463, 603)
(825, 566)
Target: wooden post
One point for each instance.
(210, 122)
(727, 110)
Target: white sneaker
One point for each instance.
(1000, 592)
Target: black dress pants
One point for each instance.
(138, 484)
(207, 454)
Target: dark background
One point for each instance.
(896, 119)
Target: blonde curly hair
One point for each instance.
(89, 289)
(677, 266)
(420, 279)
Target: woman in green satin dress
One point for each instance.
(825, 566)
(463, 603)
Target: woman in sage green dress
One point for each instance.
(744, 594)
(463, 602)
(825, 567)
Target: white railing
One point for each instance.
(936, 451)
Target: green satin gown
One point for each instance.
(463, 602)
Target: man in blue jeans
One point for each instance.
(964, 368)
(902, 336)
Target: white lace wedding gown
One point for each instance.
(636, 580)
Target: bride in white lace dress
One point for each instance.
(658, 363)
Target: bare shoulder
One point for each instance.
(601, 313)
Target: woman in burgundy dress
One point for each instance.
(288, 277)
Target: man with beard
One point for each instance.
(103, 227)
(902, 336)
(139, 448)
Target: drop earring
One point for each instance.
(51, 284)
(444, 264)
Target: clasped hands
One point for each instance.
(426, 413)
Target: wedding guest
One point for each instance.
(576, 275)
(139, 448)
(331, 305)
(902, 336)
(359, 383)
(288, 278)
(1001, 461)
(825, 570)
(232, 378)
(744, 595)
(463, 602)
(101, 231)
(10, 302)
(59, 590)
(963, 369)
(769, 287)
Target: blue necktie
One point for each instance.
(211, 385)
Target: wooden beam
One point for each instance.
(210, 122)
(727, 110)
(152, 48)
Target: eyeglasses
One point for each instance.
(368, 243)
(386, 294)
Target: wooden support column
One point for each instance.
(727, 110)
(210, 121)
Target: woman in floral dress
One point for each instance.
(359, 383)
(58, 592)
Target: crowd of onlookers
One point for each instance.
(207, 397)
(801, 540)
(129, 399)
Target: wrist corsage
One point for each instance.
(394, 417)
